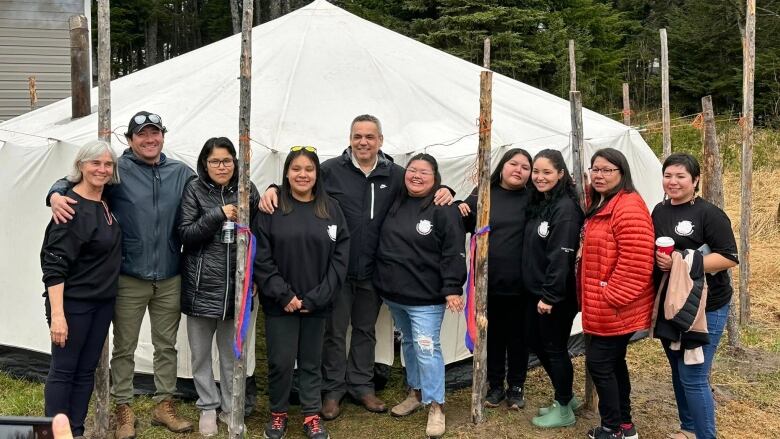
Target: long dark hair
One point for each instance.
(598, 200)
(403, 194)
(495, 177)
(208, 148)
(539, 202)
(318, 191)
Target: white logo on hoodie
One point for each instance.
(544, 229)
(424, 227)
(332, 229)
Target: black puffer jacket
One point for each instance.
(208, 270)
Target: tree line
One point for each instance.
(617, 41)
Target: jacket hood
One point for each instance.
(203, 176)
(130, 155)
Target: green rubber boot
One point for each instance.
(558, 416)
(575, 405)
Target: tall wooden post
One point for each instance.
(236, 425)
(746, 192)
(712, 191)
(481, 262)
(577, 145)
(572, 67)
(80, 70)
(667, 128)
(626, 105)
(486, 54)
(102, 395)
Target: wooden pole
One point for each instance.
(667, 128)
(626, 105)
(80, 71)
(481, 262)
(577, 145)
(486, 54)
(102, 395)
(572, 67)
(712, 191)
(746, 192)
(236, 425)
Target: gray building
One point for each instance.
(35, 41)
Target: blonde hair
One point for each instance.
(92, 151)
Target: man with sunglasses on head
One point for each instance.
(146, 205)
(364, 181)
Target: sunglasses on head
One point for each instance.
(142, 118)
(307, 148)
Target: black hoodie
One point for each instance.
(552, 238)
(208, 268)
(421, 257)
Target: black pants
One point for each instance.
(605, 358)
(358, 304)
(290, 338)
(72, 370)
(548, 338)
(507, 354)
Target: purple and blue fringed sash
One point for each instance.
(244, 314)
(470, 310)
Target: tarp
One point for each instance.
(313, 70)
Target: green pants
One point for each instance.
(162, 299)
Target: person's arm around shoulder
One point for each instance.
(452, 266)
(322, 295)
(635, 239)
(61, 210)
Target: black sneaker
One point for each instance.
(494, 397)
(629, 431)
(604, 433)
(315, 429)
(276, 427)
(515, 398)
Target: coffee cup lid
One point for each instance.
(664, 241)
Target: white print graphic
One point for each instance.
(332, 229)
(382, 186)
(424, 227)
(544, 229)
(684, 228)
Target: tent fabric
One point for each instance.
(313, 70)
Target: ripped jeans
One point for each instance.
(420, 327)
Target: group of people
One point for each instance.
(337, 239)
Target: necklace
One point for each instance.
(107, 214)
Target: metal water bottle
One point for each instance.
(228, 232)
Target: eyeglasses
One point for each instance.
(307, 148)
(214, 163)
(605, 171)
(423, 172)
(142, 118)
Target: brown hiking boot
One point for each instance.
(125, 422)
(435, 427)
(409, 405)
(164, 414)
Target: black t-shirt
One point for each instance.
(692, 225)
(85, 253)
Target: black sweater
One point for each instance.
(693, 225)
(421, 257)
(507, 224)
(552, 238)
(85, 253)
(300, 255)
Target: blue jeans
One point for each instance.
(420, 328)
(695, 403)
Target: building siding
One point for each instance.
(35, 41)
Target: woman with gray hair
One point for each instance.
(80, 262)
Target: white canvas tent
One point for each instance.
(312, 71)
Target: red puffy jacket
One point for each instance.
(616, 268)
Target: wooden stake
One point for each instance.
(486, 54)
(80, 71)
(667, 129)
(572, 67)
(712, 191)
(102, 395)
(236, 425)
(481, 262)
(577, 145)
(746, 192)
(626, 106)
